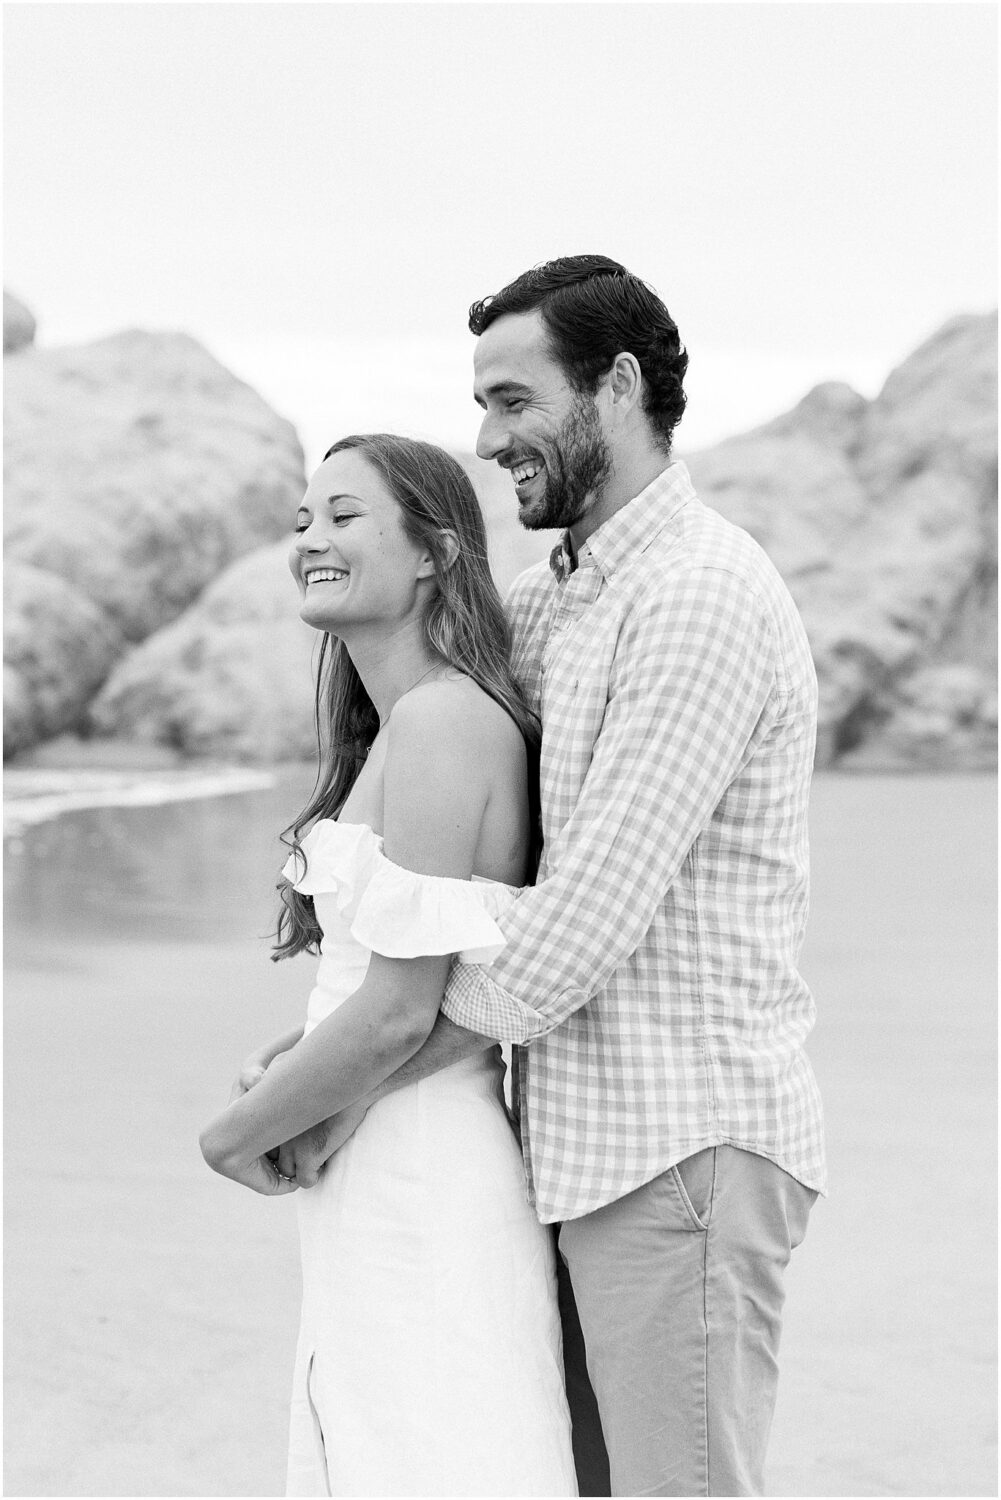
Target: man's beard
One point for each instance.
(578, 465)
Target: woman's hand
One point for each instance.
(262, 1174)
(256, 1065)
(305, 1157)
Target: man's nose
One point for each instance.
(492, 438)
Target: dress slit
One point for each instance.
(321, 1447)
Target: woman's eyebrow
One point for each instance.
(329, 500)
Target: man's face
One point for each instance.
(536, 425)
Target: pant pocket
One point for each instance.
(694, 1181)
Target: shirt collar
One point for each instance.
(631, 529)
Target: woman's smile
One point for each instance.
(313, 576)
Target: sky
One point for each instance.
(317, 192)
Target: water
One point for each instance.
(152, 1306)
(148, 866)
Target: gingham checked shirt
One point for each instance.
(650, 975)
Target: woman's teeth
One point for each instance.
(324, 575)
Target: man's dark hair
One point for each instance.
(594, 309)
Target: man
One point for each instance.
(669, 1117)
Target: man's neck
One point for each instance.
(631, 473)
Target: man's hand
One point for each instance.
(305, 1157)
(250, 1073)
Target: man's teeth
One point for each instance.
(525, 471)
(325, 575)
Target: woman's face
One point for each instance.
(352, 559)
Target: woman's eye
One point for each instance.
(344, 516)
(302, 526)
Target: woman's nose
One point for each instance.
(309, 541)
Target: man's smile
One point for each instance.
(524, 473)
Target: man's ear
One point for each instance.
(624, 380)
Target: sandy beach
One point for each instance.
(151, 1307)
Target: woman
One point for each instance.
(429, 1359)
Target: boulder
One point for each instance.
(232, 678)
(136, 469)
(18, 324)
(58, 648)
(881, 516)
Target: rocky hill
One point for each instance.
(18, 324)
(136, 470)
(150, 598)
(882, 518)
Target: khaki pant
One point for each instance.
(679, 1291)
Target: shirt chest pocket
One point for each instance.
(575, 700)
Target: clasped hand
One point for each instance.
(298, 1162)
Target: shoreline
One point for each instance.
(32, 797)
(67, 774)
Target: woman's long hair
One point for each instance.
(464, 625)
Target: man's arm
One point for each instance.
(447, 1044)
(692, 694)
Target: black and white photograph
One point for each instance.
(500, 748)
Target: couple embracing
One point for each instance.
(580, 828)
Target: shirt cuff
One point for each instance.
(474, 1000)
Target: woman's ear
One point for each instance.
(451, 546)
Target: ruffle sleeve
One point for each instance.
(394, 911)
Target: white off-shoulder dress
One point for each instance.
(429, 1359)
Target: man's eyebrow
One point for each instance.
(503, 388)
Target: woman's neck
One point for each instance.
(391, 665)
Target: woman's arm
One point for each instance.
(384, 1023)
(434, 747)
(304, 1157)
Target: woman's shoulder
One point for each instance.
(451, 753)
(457, 708)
